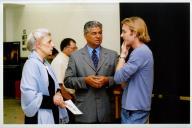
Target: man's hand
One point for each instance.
(92, 81)
(96, 81)
(103, 80)
(66, 95)
(124, 52)
(124, 49)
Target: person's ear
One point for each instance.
(66, 49)
(85, 35)
(37, 44)
(134, 34)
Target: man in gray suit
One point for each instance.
(90, 72)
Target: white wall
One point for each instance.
(63, 20)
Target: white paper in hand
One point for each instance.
(71, 106)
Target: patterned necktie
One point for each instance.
(94, 58)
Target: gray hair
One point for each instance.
(36, 35)
(91, 24)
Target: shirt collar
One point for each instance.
(34, 54)
(64, 54)
(91, 49)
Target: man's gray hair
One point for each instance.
(91, 24)
(36, 35)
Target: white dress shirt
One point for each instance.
(59, 66)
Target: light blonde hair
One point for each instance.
(137, 24)
(36, 35)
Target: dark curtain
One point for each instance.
(169, 29)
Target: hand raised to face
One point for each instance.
(124, 49)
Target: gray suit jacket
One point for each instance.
(94, 103)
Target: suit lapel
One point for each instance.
(102, 58)
(87, 58)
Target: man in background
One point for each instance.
(54, 54)
(59, 65)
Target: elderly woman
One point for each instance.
(41, 99)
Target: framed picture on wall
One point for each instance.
(11, 53)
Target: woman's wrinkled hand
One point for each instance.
(58, 100)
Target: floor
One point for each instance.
(13, 113)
